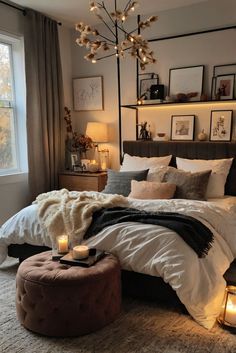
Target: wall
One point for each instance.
(211, 49)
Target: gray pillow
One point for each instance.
(189, 185)
(120, 182)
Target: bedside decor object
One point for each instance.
(62, 244)
(80, 252)
(187, 81)
(88, 93)
(75, 144)
(99, 134)
(182, 127)
(221, 125)
(93, 166)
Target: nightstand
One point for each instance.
(82, 181)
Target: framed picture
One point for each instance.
(88, 93)
(224, 87)
(221, 125)
(182, 127)
(224, 69)
(145, 85)
(74, 159)
(187, 80)
(146, 76)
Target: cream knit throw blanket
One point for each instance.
(70, 212)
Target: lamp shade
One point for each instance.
(98, 132)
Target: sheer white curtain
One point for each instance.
(44, 101)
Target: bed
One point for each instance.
(219, 216)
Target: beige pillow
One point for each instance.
(131, 163)
(219, 172)
(151, 190)
(189, 185)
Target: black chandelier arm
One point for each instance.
(109, 55)
(107, 26)
(108, 39)
(105, 9)
(127, 5)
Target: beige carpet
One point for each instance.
(142, 327)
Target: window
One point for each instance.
(13, 155)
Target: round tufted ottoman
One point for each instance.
(54, 299)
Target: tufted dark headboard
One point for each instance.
(190, 150)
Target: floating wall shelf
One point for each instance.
(158, 105)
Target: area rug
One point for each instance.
(142, 327)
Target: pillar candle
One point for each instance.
(62, 242)
(80, 252)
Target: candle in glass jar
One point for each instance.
(80, 252)
(230, 314)
(62, 242)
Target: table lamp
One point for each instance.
(98, 132)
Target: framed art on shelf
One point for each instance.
(221, 125)
(226, 69)
(186, 80)
(88, 93)
(145, 86)
(142, 88)
(224, 87)
(182, 127)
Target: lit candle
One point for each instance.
(103, 166)
(230, 314)
(62, 242)
(80, 252)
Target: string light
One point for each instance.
(98, 43)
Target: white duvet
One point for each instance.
(156, 250)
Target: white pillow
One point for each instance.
(220, 170)
(133, 163)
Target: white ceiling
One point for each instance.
(72, 11)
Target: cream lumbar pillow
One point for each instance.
(219, 172)
(151, 190)
(133, 163)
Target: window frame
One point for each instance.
(17, 104)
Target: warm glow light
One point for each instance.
(94, 61)
(62, 244)
(98, 132)
(114, 22)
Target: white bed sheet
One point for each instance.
(156, 250)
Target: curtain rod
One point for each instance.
(14, 7)
(19, 9)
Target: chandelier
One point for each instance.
(119, 40)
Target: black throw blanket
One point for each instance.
(192, 231)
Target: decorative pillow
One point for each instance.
(151, 190)
(219, 172)
(189, 185)
(131, 163)
(120, 182)
(156, 174)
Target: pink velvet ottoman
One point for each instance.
(59, 300)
